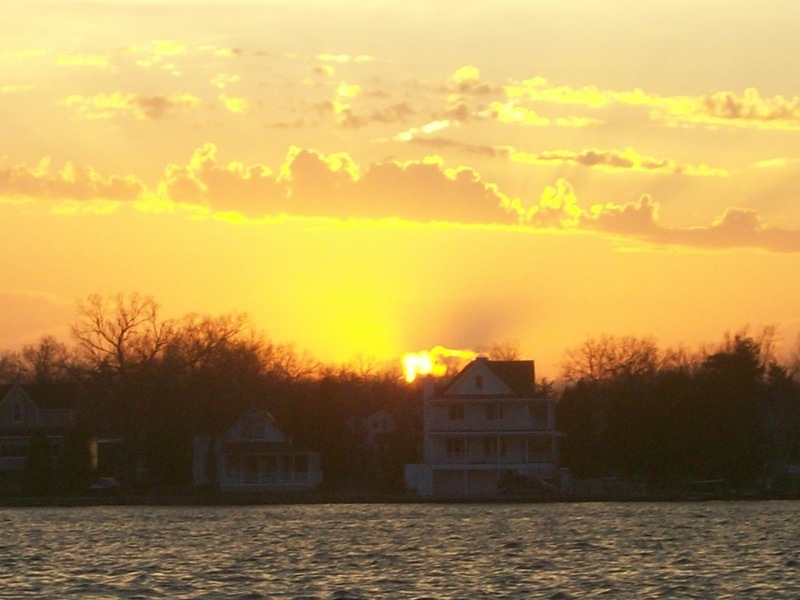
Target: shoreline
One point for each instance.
(275, 499)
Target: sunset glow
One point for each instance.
(367, 180)
(436, 362)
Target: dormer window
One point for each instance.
(17, 412)
(479, 382)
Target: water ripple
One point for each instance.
(350, 552)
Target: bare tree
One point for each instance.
(11, 369)
(610, 356)
(196, 339)
(285, 361)
(49, 360)
(506, 350)
(120, 331)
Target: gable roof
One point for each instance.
(48, 396)
(517, 375)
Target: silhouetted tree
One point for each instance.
(611, 357)
(120, 331)
(47, 361)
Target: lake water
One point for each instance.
(557, 551)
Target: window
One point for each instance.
(17, 408)
(455, 412)
(455, 447)
(494, 411)
(490, 447)
(539, 415)
(479, 382)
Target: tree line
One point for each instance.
(730, 412)
(156, 383)
(627, 408)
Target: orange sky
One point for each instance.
(372, 178)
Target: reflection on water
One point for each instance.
(646, 550)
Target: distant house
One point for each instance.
(486, 432)
(30, 415)
(377, 426)
(253, 455)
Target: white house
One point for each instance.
(253, 455)
(486, 430)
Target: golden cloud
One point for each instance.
(537, 89)
(68, 183)
(311, 183)
(729, 108)
(249, 190)
(107, 106)
(558, 208)
(614, 161)
(721, 108)
(222, 80)
(234, 104)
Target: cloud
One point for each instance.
(107, 106)
(558, 208)
(162, 48)
(235, 104)
(613, 161)
(729, 108)
(68, 183)
(776, 163)
(252, 190)
(223, 80)
(347, 117)
(466, 80)
(513, 113)
(538, 89)
(310, 183)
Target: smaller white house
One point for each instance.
(253, 455)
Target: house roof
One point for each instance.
(48, 396)
(517, 375)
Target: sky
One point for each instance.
(370, 178)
